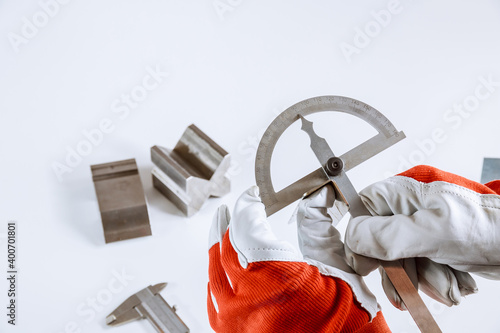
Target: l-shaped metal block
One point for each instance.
(193, 171)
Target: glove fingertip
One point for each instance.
(323, 197)
(249, 207)
(254, 191)
(391, 292)
(224, 215)
(466, 283)
(315, 207)
(219, 226)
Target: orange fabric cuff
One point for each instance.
(428, 174)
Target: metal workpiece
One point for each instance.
(193, 171)
(122, 204)
(148, 304)
(491, 170)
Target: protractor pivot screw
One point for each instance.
(334, 166)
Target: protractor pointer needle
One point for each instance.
(319, 145)
(334, 167)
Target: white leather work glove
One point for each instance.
(258, 283)
(448, 225)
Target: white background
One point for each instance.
(230, 74)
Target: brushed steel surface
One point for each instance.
(121, 199)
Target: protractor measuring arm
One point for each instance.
(333, 170)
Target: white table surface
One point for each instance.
(229, 72)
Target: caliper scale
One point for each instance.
(333, 170)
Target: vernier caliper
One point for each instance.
(333, 170)
(149, 304)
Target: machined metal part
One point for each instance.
(193, 171)
(333, 170)
(121, 200)
(491, 170)
(148, 304)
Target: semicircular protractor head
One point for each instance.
(386, 136)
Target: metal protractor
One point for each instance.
(386, 137)
(333, 170)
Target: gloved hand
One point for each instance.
(258, 283)
(446, 224)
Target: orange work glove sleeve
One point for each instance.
(275, 296)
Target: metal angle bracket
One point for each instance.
(121, 200)
(193, 171)
(148, 304)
